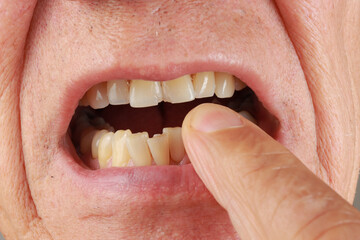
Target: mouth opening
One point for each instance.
(134, 123)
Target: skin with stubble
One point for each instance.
(304, 55)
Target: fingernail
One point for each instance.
(213, 117)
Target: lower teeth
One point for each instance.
(126, 149)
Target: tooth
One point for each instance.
(159, 148)
(97, 96)
(86, 140)
(138, 149)
(176, 145)
(120, 154)
(109, 127)
(179, 90)
(204, 84)
(95, 142)
(80, 125)
(81, 119)
(248, 116)
(145, 93)
(84, 101)
(105, 149)
(239, 85)
(225, 85)
(118, 92)
(98, 122)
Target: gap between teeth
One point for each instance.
(142, 93)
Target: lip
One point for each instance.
(165, 179)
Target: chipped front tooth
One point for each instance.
(97, 96)
(86, 140)
(204, 84)
(120, 154)
(138, 149)
(225, 85)
(248, 116)
(176, 145)
(239, 85)
(178, 90)
(105, 149)
(145, 93)
(118, 92)
(159, 148)
(95, 142)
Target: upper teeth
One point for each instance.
(178, 90)
(141, 93)
(225, 85)
(118, 92)
(204, 84)
(145, 93)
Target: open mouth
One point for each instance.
(137, 123)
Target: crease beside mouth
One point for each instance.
(135, 123)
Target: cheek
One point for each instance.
(324, 39)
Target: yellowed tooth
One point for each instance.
(159, 148)
(248, 116)
(225, 85)
(95, 142)
(178, 90)
(105, 149)
(86, 140)
(118, 92)
(97, 96)
(120, 154)
(145, 93)
(176, 145)
(138, 149)
(204, 84)
(239, 85)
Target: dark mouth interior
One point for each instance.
(154, 119)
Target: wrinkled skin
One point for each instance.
(307, 50)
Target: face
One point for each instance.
(299, 60)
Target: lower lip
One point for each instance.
(151, 179)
